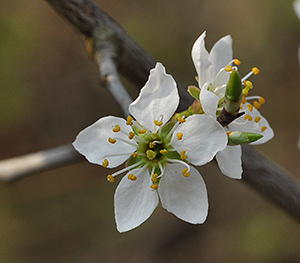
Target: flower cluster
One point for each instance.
(214, 71)
(160, 147)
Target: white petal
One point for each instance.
(185, 197)
(240, 124)
(134, 201)
(158, 97)
(230, 162)
(209, 101)
(221, 54)
(201, 61)
(93, 143)
(296, 6)
(202, 138)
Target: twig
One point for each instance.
(20, 167)
(134, 63)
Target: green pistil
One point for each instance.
(150, 154)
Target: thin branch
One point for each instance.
(20, 167)
(134, 63)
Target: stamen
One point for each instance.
(132, 177)
(263, 128)
(135, 154)
(163, 151)
(143, 131)
(110, 178)
(117, 128)
(154, 178)
(248, 117)
(158, 123)
(180, 162)
(161, 170)
(250, 106)
(112, 140)
(105, 163)
(237, 62)
(261, 100)
(179, 136)
(181, 119)
(151, 145)
(228, 68)
(127, 169)
(129, 120)
(154, 186)
(131, 135)
(255, 71)
(186, 172)
(257, 105)
(183, 155)
(257, 119)
(244, 100)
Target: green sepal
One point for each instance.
(233, 93)
(194, 92)
(238, 137)
(133, 160)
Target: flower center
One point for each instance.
(153, 150)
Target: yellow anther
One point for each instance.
(228, 68)
(256, 105)
(142, 131)
(158, 123)
(110, 178)
(263, 128)
(131, 177)
(131, 135)
(129, 120)
(244, 100)
(237, 62)
(154, 186)
(180, 119)
(186, 172)
(257, 119)
(183, 155)
(248, 117)
(250, 106)
(261, 100)
(112, 140)
(163, 151)
(255, 70)
(154, 178)
(135, 154)
(117, 128)
(179, 136)
(105, 163)
(151, 145)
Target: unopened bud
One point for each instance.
(233, 93)
(238, 137)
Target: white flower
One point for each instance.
(213, 72)
(159, 154)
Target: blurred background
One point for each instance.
(50, 91)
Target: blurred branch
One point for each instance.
(20, 167)
(134, 63)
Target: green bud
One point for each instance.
(233, 93)
(238, 137)
(194, 92)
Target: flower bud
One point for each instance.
(233, 93)
(238, 137)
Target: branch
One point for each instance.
(134, 63)
(20, 167)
